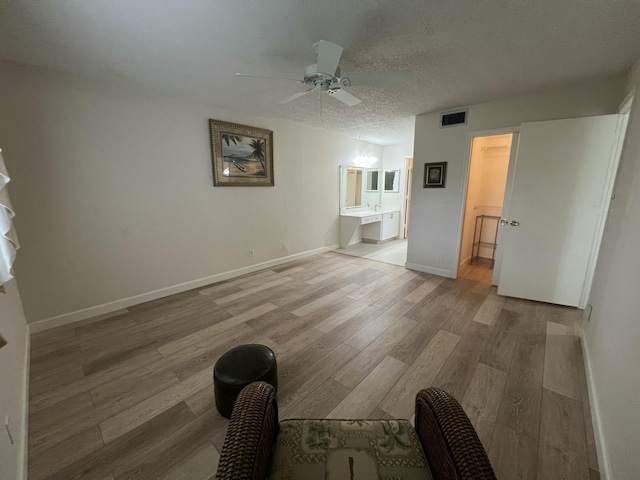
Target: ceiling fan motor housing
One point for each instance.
(321, 81)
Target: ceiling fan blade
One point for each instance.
(296, 95)
(286, 79)
(376, 78)
(344, 96)
(328, 57)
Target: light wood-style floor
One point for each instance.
(394, 252)
(131, 397)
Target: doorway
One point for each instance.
(488, 168)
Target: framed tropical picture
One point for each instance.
(242, 156)
(435, 174)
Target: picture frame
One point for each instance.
(242, 156)
(435, 174)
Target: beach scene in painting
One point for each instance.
(243, 156)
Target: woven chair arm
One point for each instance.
(251, 435)
(449, 441)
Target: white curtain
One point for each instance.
(8, 238)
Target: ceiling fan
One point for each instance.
(325, 76)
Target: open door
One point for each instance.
(515, 137)
(559, 182)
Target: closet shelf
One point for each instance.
(477, 238)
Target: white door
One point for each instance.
(497, 266)
(560, 178)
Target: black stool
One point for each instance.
(238, 368)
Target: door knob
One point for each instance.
(515, 223)
(503, 222)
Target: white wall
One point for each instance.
(612, 337)
(13, 383)
(436, 213)
(114, 194)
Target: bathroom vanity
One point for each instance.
(360, 207)
(384, 229)
(375, 226)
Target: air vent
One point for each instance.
(453, 118)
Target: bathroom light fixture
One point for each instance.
(364, 161)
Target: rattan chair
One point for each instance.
(450, 444)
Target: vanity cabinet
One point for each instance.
(350, 222)
(385, 229)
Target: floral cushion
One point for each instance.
(348, 449)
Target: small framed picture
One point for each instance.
(435, 174)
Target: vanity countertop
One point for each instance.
(368, 213)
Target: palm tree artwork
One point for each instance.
(243, 154)
(228, 139)
(258, 152)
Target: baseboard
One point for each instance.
(433, 270)
(23, 470)
(465, 262)
(106, 308)
(594, 404)
(379, 242)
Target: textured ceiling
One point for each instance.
(458, 52)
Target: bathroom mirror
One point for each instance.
(359, 187)
(391, 181)
(352, 186)
(373, 176)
